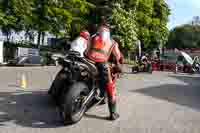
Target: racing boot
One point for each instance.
(114, 116)
(113, 113)
(111, 92)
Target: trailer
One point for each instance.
(23, 56)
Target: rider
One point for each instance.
(99, 51)
(80, 44)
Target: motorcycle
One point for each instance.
(141, 67)
(196, 68)
(76, 86)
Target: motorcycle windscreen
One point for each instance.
(187, 57)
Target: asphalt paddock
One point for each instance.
(148, 103)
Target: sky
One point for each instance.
(182, 11)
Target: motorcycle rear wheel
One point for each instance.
(135, 69)
(72, 109)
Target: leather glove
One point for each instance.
(121, 60)
(117, 69)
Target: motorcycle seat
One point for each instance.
(91, 65)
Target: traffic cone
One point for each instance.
(23, 81)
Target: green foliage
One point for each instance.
(123, 26)
(152, 18)
(68, 15)
(51, 16)
(130, 20)
(145, 20)
(185, 36)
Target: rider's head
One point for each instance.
(85, 34)
(92, 28)
(103, 26)
(103, 22)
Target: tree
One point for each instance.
(145, 20)
(124, 26)
(122, 21)
(67, 17)
(148, 18)
(14, 15)
(7, 17)
(195, 20)
(58, 17)
(152, 18)
(185, 36)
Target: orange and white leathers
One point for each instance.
(99, 51)
(100, 46)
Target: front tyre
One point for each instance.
(72, 110)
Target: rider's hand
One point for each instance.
(118, 69)
(121, 60)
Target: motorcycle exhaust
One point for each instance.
(89, 98)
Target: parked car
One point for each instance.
(26, 60)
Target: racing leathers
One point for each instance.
(99, 51)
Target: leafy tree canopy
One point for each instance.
(185, 36)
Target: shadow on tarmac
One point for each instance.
(29, 109)
(186, 95)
